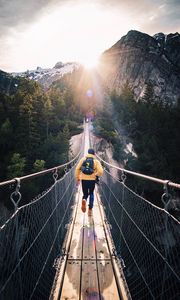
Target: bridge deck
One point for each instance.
(88, 272)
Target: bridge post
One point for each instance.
(15, 199)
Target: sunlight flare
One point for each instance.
(67, 33)
(90, 62)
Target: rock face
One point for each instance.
(140, 59)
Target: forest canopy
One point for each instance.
(35, 125)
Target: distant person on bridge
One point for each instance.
(88, 170)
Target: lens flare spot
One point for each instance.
(89, 93)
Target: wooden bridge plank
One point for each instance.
(89, 281)
(96, 214)
(101, 243)
(84, 275)
(89, 239)
(108, 287)
(71, 284)
(75, 251)
(79, 215)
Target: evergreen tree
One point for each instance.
(39, 165)
(154, 129)
(16, 167)
(148, 96)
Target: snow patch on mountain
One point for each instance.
(47, 76)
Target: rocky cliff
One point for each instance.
(139, 59)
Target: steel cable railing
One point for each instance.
(157, 180)
(51, 170)
(146, 238)
(32, 239)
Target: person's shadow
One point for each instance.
(89, 284)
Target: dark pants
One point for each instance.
(88, 190)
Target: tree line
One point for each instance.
(153, 128)
(35, 125)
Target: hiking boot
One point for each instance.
(83, 206)
(90, 212)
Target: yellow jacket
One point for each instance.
(98, 170)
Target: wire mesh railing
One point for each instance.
(32, 239)
(146, 238)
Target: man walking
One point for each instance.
(87, 170)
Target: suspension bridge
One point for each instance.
(128, 249)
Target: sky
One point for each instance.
(42, 32)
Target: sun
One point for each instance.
(89, 62)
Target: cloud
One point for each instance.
(155, 13)
(27, 27)
(15, 13)
(151, 15)
(165, 18)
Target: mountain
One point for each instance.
(47, 76)
(138, 59)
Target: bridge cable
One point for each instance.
(143, 214)
(164, 258)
